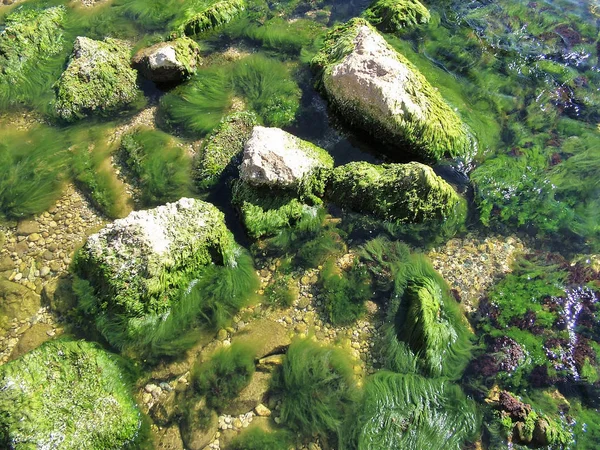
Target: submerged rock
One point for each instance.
(395, 15)
(378, 89)
(67, 395)
(275, 158)
(211, 16)
(224, 147)
(97, 79)
(397, 192)
(17, 301)
(168, 62)
(137, 263)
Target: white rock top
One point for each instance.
(372, 76)
(163, 58)
(275, 157)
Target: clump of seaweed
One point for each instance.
(159, 164)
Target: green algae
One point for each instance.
(205, 15)
(223, 148)
(224, 375)
(159, 164)
(318, 390)
(395, 15)
(70, 394)
(409, 411)
(32, 166)
(255, 438)
(32, 42)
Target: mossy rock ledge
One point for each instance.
(66, 394)
(396, 15)
(208, 15)
(281, 178)
(223, 148)
(376, 88)
(138, 264)
(410, 193)
(168, 62)
(97, 79)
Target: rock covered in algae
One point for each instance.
(376, 88)
(276, 158)
(97, 79)
(138, 262)
(68, 395)
(29, 36)
(224, 147)
(397, 192)
(196, 20)
(395, 15)
(168, 62)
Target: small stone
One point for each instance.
(34, 237)
(44, 271)
(150, 387)
(262, 411)
(237, 423)
(222, 334)
(18, 277)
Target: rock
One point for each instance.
(71, 390)
(395, 15)
(27, 227)
(206, 18)
(266, 336)
(58, 294)
(374, 87)
(31, 339)
(97, 79)
(275, 158)
(270, 363)
(262, 411)
(200, 427)
(6, 263)
(251, 396)
(128, 259)
(18, 301)
(168, 62)
(168, 439)
(33, 237)
(398, 192)
(222, 334)
(164, 410)
(223, 148)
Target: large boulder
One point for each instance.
(274, 157)
(376, 88)
(138, 263)
(97, 79)
(410, 193)
(168, 62)
(29, 38)
(223, 148)
(69, 395)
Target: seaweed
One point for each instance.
(159, 164)
(224, 375)
(318, 389)
(255, 438)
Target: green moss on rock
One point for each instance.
(168, 62)
(208, 14)
(30, 38)
(395, 15)
(377, 89)
(68, 395)
(97, 79)
(223, 147)
(396, 192)
(139, 263)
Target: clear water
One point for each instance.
(524, 75)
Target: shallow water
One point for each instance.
(524, 76)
